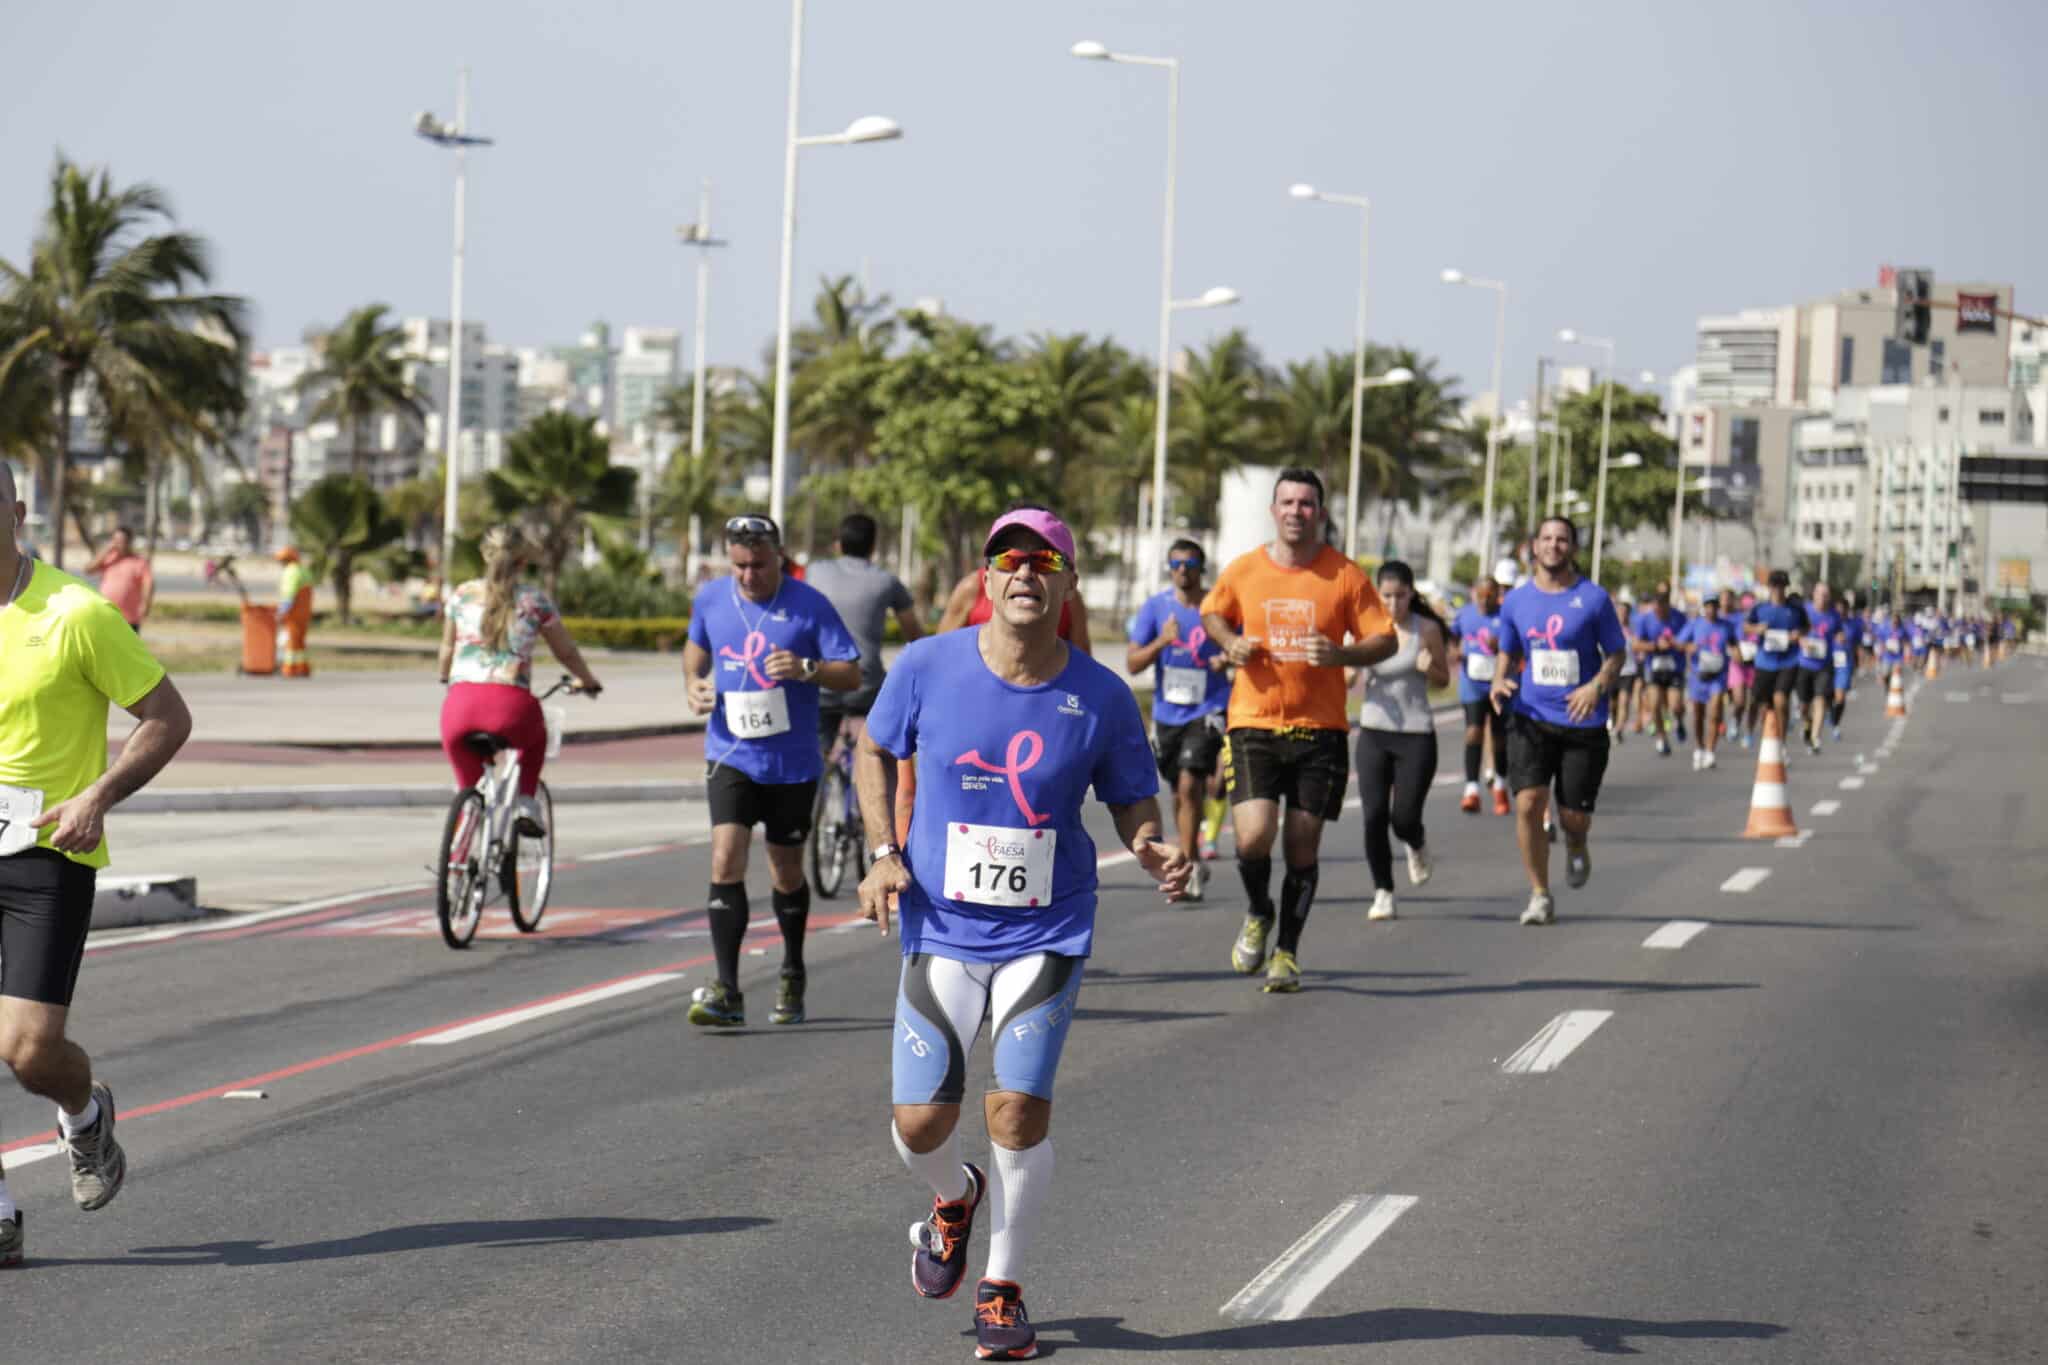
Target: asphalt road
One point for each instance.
(1810, 1133)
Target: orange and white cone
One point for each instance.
(1770, 809)
(1933, 662)
(1895, 698)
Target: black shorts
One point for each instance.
(1814, 682)
(1573, 757)
(45, 910)
(782, 809)
(1671, 675)
(1191, 748)
(1775, 682)
(1307, 769)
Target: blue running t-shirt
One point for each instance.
(1660, 633)
(1562, 637)
(1184, 686)
(1780, 624)
(780, 740)
(1000, 863)
(1823, 636)
(1713, 645)
(1478, 633)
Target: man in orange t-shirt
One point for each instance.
(125, 578)
(1292, 615)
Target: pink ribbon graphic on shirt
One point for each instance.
(756, 646)
(1482, 643)
(1023, 755)
(1552, 628)
(1196, 639)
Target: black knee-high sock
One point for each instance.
(1472, 762)
(1297, 898)
(1257, 874)
(793, 913)
(728, 913)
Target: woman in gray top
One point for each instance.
(1397, 735)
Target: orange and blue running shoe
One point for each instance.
(1002, 1329)
(940, 1260)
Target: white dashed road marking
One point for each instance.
(1284, 1290)
(1676, 934)
(1555, 1041)
(462, 1033)
(1746, 880)
(1849, 784)
(1826, 807)
(1796, 840)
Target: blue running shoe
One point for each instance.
(1002, 1329)
(940, 1260)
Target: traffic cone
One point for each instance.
(1933, 664)
(1770, 811)
(1895, 699)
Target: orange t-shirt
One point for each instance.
(1279, 689)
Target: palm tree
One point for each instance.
(558, 474)
(1083, 382)
(337, 522)
(245, 505)
(1222, 417)
(362, 373)
(106, 306)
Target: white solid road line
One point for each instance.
(637, 851)
(1676, 934)
(1746, 880)
(215, 926)
(491, 1024)
(1284, 1290)
(1850, 784)
(1554, 1042)
(1826, 807)
(1796, 840)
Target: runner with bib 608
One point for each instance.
(1008, 727)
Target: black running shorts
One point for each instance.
(782, 809)
(1815, 682)
(1573, 757)
(1307, 769)
(45, 910)
(1776, 682)
(1191, 748)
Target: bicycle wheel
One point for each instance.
(460, 873)
(533, 868)
(828, 834)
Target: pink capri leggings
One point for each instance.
(509, 712)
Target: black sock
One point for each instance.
(728, 914)
(1472, 763)
(1297, 898)
(793, 913)
(1257, 874)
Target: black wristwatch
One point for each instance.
(809, 668)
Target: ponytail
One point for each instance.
(504, 551)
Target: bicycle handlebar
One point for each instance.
(569, 684)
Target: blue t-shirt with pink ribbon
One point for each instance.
(1661, 634)
(1192, 649)
(1715, 639)
(1002, 772)
(782, 743)
(1826, 627)
(1561, 638)
(1478, 633)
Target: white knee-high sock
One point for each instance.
(6, 1201)
(939, 1168)
(1018, 1183)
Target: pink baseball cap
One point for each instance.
(1041, 523)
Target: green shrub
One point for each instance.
(647, 632)
(600, 592)
(226, 609)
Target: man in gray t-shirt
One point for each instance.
(863, 594)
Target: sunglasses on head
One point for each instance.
(749, 525)
(1044, 561)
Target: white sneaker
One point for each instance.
(1707, 760)
(1419, 867)
(530, 823)
(1542, 909)
(1382, 905)
(1697, 755)
(1194, 891)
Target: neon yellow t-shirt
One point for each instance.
(65, 653)
(290, 581)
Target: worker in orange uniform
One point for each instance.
(294, 614)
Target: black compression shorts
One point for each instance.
(45, 910)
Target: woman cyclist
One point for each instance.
(1397, 734)
(487, 644)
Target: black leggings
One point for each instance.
(1481, 714)
(1394, 774)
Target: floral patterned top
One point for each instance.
(477, 662)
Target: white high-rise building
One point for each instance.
(648, 361)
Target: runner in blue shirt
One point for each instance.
(1477, 627)
(1190, 691)
(1708, 643)
(1843, 660)
(1776, 625)
(1009, 728)
(1817, 649)
(761, 645)
(1562, 627)
(1655, 631)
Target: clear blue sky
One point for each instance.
(1624, 166)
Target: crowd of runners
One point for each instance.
(977, 753)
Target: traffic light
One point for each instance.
(1911, 320)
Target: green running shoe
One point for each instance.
(1283, 974)
(1248, 954)
(715, 1006)
(789, 1000)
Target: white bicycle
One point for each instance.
(482, 843)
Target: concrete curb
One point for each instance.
(125, 901)
(352, 797)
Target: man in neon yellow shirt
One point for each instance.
(65, 652)
(294, 614)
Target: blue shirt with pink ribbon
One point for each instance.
(740, 635)
(1008, 767)
(1550, 630)
(1478, 633)
(1192, 648)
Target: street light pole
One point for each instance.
(698, 234)
(1606, 425)
(1358, 381)
(868, 129)
(1536, 446)
(1500, 332)
(455, 136)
